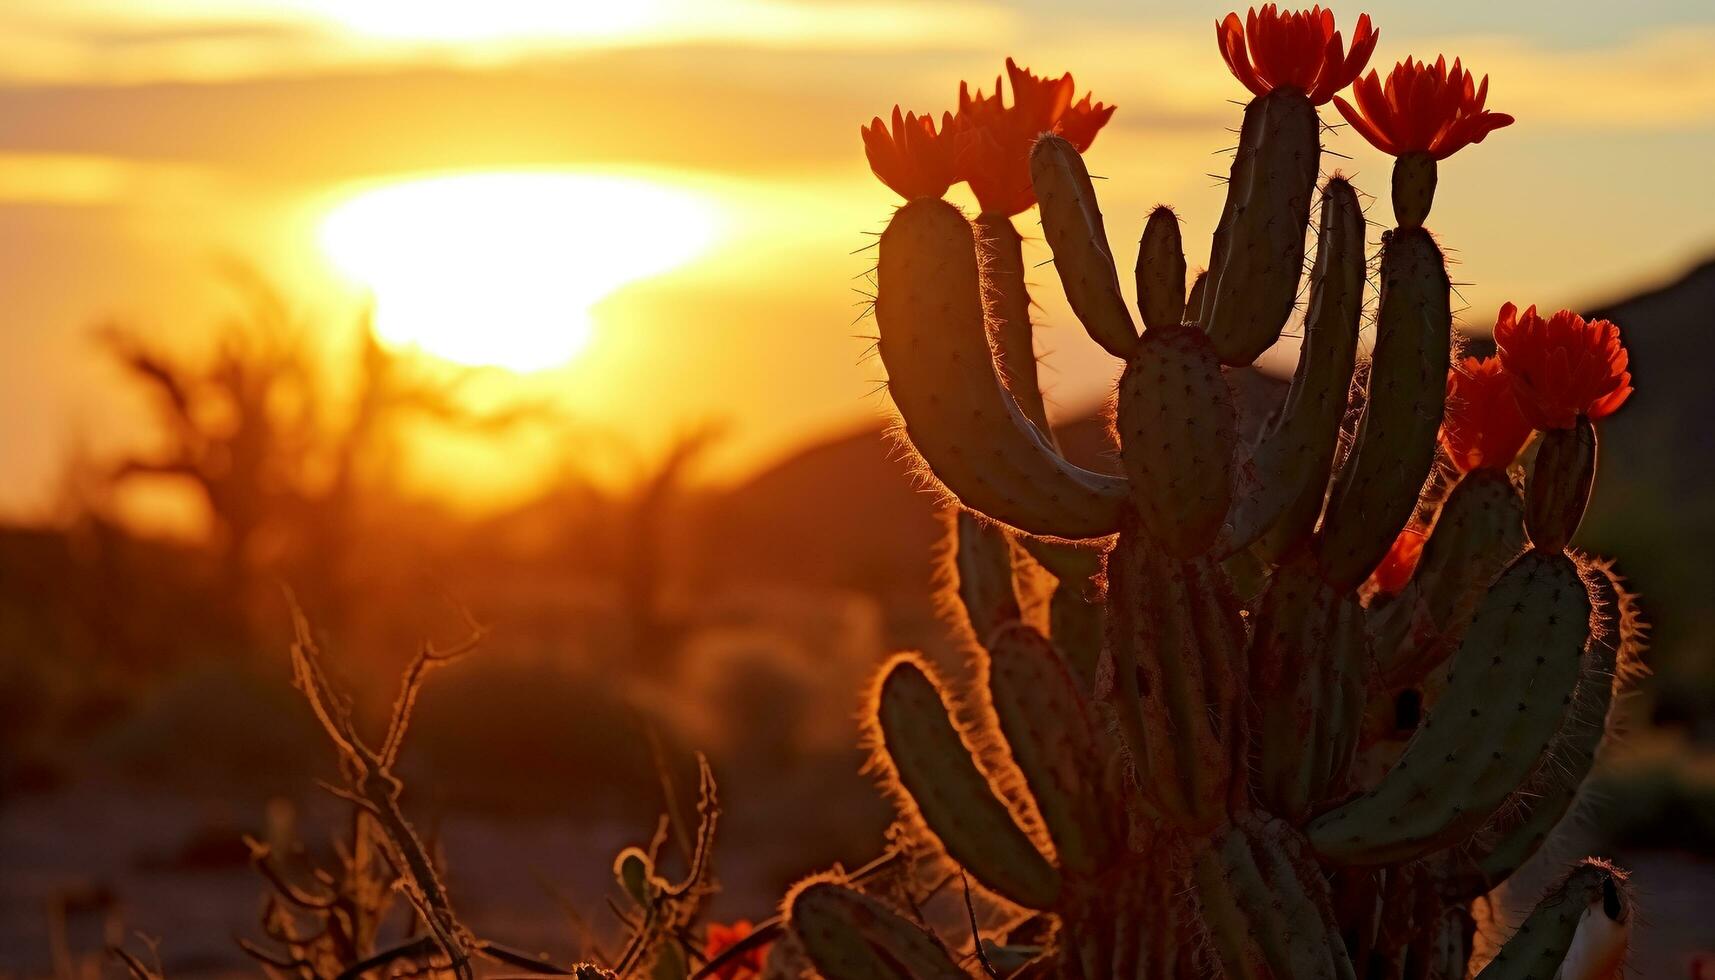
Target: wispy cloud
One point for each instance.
(113, 42)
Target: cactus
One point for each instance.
(1171, 776)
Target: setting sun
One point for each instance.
(503, 268)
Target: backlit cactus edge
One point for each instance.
(1198, 750)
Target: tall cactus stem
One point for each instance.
(1291, 460)
(1178, 428)
(1377, 488)
(1258, 253)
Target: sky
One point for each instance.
(655, 213)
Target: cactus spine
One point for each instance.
(1178, 778)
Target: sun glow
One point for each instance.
(503, 268)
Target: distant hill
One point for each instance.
(1654, 506)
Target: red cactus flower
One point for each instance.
(1422, 109)
(1300, 50)
(912, 158)
(1391, 576)
(1562, 367)
(746, 965)
(995, 139)
(1483, 426)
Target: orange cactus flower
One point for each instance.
(912, 158)
(1300, 50)
(1483, 426)
(747, 965)
(1422, 109)
(995, 139)
(1391, 576)
(1562, 367)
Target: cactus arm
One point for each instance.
(1178, 427)
(1540, 804)
(1258, 254)
(941, 375)
(1008, 302)
(1072, 223)
(1052, 739)
(935, 773)
(1161, 271)
(1506, 697)
(1573, 932)
(848, 935)
(1378, 487)
(982, 570)
(1477, 531)
(1292, 459)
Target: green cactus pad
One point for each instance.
(1178, 427)
(1258, 254)
(957, 415)
(939, 776)
(1559, 485)
(1161, 271)
(1377, 488)
(1592, 897)
(1291, 461)
(1052, 738)
(1007, 299)
(1072, 223)
(1507, 695)
(850, 936)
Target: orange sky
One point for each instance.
(142, 144)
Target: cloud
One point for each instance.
(108, 42)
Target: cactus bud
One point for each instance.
(1558, 488)
(1414, 177)
(1161, 271)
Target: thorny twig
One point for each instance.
(371, 784)
(664, 912)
